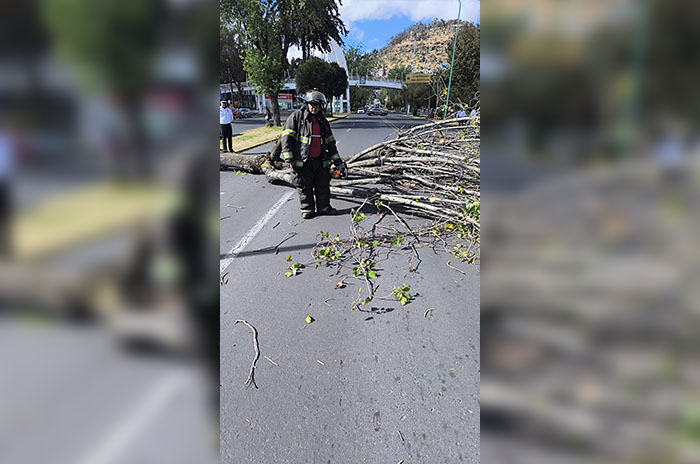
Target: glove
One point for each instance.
(343, 168)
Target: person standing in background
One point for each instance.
(7, 161)
(462, 114)
(225, 120)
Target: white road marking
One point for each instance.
(349, 130)
(120, 438)
(242, 243)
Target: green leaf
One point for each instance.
(289, 258)
(372, 274)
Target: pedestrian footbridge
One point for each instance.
(353, 81)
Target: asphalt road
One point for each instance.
(376, 385)
(71, 395)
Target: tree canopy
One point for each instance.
(231, 56)
(315, 73)
(465, 75)
(359, 62)
(117, 49)
(398, 72)
(315, 24)
(269, 27)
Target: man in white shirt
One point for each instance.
(225, 119)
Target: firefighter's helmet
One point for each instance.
(314, 96)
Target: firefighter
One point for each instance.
(308, 147)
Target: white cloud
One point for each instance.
(354, 32)
(359, 33)
(416, 10)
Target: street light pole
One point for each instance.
(452, 66)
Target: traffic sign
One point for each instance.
(417, 78)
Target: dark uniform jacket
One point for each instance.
(296, 139)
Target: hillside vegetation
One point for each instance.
(431, 42)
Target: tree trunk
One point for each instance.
(239, 86)
(245, 163)
(135, 162)
(257, 165)
(274, 102)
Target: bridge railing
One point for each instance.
(249, 85)
(375, 79)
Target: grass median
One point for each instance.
(263, 134)
(84, 214)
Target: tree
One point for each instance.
(231, 57)
(360, 63)
(115, 54)
(294, 64)
(270, 27)
(260, 23)
(360, 96)
(398, 72)
(328, 78)
(465, 75)
(316, 23)
(416, 95)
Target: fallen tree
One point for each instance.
(432, 170)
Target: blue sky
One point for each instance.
(377, 33)
(372, 23)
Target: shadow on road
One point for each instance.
(375, 310)
(267, 250)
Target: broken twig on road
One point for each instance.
(251, 376)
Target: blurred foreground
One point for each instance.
(591, 163)
(108, 232)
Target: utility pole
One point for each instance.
(452, 66)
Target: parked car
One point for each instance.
(361, 111)
(379, 111)
(246, 112)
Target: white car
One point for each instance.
(361, 111)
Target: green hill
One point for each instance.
(427, 41)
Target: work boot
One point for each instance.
(307, 215)
(328, 211)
